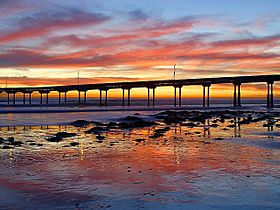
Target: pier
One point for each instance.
(151, 86)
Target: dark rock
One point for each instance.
(219, 139)
(65, 146)
(11, 139)
(99, 137)
(160, 132)
(2, 140)
(96, 123)
(65, 135)
(173, 120)
(99, 141)
(156, 135)
(231, 126)
(80, 123)
(7, 147)
(136, 124)
(245, 121)
(132, 118)
(112, 125)
(17, 143)
(140, 140)
(73, 144)
(97, 130)
(34, 144)
(198, 118)
(54, 139)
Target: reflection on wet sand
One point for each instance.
(206, 166)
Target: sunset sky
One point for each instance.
(43, 41)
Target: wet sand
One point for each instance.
(187, 164)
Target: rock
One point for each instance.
(231, 126)
(65, 146)
(160, 132)
(99, 137)
(219, 139)
(17, 143)
(173, 120)
(136, 124)
(11, 139)
(65, 135)
(7, 147)
(156, 135)
(54, 139)
(97, 130)
(139, 140)
(112, 125)
(80, 123)
(245, 121)
(99, 141)
(73, 144)
(2, 140)
(96, 123)
(132, 118)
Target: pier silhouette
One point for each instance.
(151, 87)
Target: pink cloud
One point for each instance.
(45, 23)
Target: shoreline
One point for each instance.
(63, 117)
(66, 109)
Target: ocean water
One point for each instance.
(212, 165)
(53, 114)
(229, 166)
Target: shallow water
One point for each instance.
(199, 167)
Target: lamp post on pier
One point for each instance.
(174, 73)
